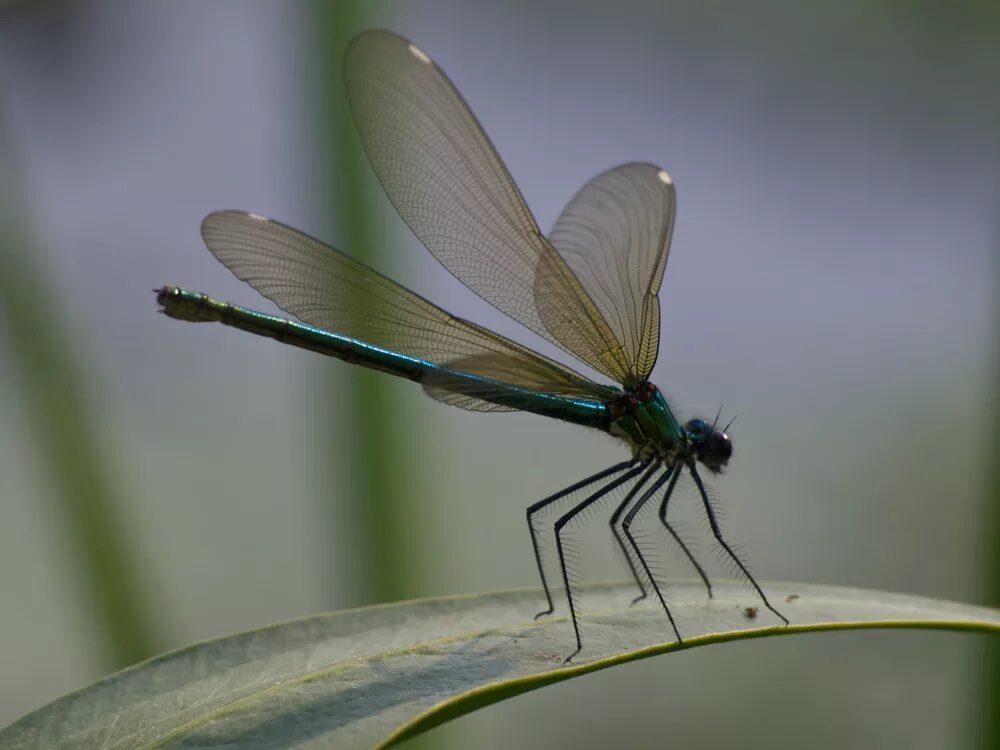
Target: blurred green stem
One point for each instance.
(381, 535)
(53, 399)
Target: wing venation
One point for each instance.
(328, 289)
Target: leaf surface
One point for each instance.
(371, 677)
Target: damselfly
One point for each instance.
(589, 287)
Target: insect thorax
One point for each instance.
(643, 419)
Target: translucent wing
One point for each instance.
(328, 289)
(615, 236)
(446, 180)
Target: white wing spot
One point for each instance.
(257, 217)
(419, 54)
(664, 177)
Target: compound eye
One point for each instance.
(718, 448)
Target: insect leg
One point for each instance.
(676, 536)
(626, 527)
(618, 538)
(561, 523)
(717, 531)
(543, 503)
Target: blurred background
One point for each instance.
(832, 280)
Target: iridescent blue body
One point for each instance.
(200, 308)
(642, 418)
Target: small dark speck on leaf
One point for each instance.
(791, 597)
(750, 612)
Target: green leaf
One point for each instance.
(374, 676)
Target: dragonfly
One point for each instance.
(590, 287)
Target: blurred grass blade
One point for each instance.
(991, 537)
(69, 446)
(368, 412)
(376, 676)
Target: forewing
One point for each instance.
(448, 184)
(330, 290)
(615, 236)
